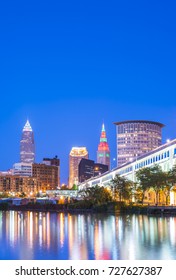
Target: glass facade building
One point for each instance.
(135, 138)
(27, 146)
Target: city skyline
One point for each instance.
(28, 128)
(68, 67)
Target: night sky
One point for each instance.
(68, 66)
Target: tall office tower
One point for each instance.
(76, 154)
(103, 153)
(27, 147)
(135, 138)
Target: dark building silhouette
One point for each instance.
(100, 168)
(52, 161)
(85, 169)
(88, 169)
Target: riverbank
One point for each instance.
(113, 208)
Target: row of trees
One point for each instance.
(147, 179)
(122, 189)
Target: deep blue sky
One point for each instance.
(70, 65)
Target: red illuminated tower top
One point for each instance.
(103, 153)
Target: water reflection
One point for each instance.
(37, 235)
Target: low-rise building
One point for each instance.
(18, 184)
(47, 175)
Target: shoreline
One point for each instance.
(104, 209)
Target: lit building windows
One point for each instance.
(135, 138)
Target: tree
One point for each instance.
(98, 195)
(64, 187)
(121, 188)
(157, 180)
(143, 184)
(75, 187)
(170, 181)
(22, 194)
(4, 195)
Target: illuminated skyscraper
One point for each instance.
(27, 147)
(135, 138)
(103, 153)
(76, 154)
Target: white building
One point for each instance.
(22, 169)
(164, 156)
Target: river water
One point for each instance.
(51, 236)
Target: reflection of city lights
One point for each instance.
(172, 198)
(173, 231)
(62, 229)
(31, 228)
(29, 234)
(12, 226)
(48, 229)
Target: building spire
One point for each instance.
(103, 153)
(27, 126)
(103, 134)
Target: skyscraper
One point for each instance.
(27, 147)
(103, 153)
(76, 154)
(135, 138)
